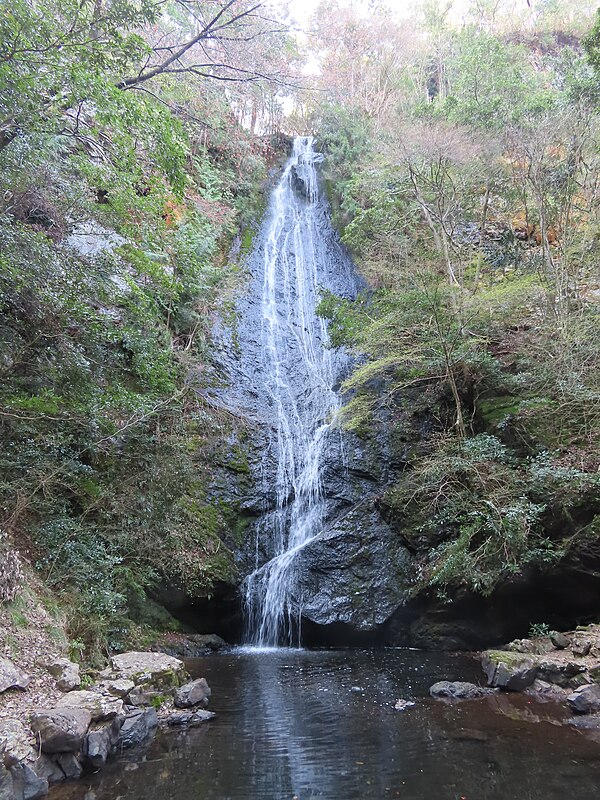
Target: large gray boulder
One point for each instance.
(138, 726)
(509, 670)
(195, 693)
(11, 676)
(100, 706)
(585, 699)
(158, 670)
(66, 673)
(101, 741)
(355, 573)
(26, 784)
(61, 730)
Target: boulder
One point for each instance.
(562, 672)
(559, 640)
(26, 784)
(101, 741)
(581, 648)
(45, 767)
(195, 693)
(69, 764)
(11, 676)
(138, 726)
(158, 670)
(61, 730)
(100, 706)
(6, 784)
(585, 699)
(188, 719)
(458, 690)
(120, 687)
(15, 742)
(66, 673)
(356, 573)
(191, 645)
(509, 670)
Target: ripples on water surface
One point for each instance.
(291, 724)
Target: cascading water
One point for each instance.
(298, 376)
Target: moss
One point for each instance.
(495, 410)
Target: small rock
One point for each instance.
(15, 742)
(100, 706)
(586, 699)
(189, 719)
(591, 722)
(11, 676)
(402, 705)
(195, 693)
(458, 690)
(118, 688)
(559, 640)
(66, 673)
(61, 730)
(138, 726)
(356, 689)
(581, 649)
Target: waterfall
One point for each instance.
(298, 376)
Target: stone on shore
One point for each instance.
(101, 707)
(509, 670)
(66, 673)
(585, 699)
(16, 742)
(61, 730)
(156, 670)
(11, 676)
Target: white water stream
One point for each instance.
(299, 379)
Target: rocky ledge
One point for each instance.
(560, 667)
(135, 694)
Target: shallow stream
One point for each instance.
(321, 724)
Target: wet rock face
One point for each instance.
(355, 573)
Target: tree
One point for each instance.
(59, 55)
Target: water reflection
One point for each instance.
(301, 724)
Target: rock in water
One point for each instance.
(508, 670)
(402, 705)
(458, 690)
(11, 676)
(585, 699)
(195, 693)
(138, 726)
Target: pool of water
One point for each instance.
(299, 725)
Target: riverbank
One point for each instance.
(56, 726)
